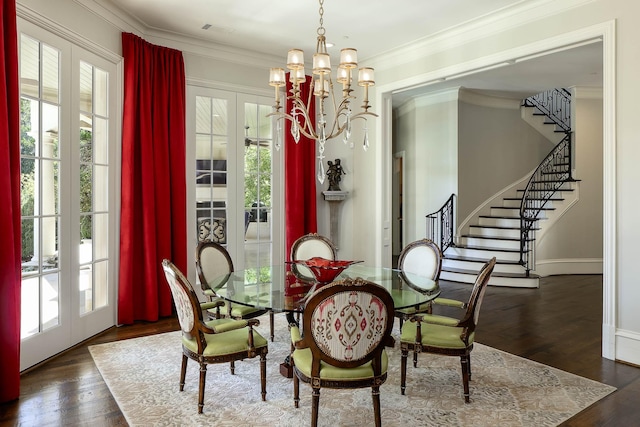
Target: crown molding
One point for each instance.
(45, 23)
(482, 99)
(191, 45)
(488, 25)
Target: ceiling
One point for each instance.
(373, 27)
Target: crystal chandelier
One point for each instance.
(321, 90)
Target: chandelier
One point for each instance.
(321, 93)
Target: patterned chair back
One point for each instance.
(183, 296)
(350, 322)
(470, 320)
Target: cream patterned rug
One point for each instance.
(506, 390)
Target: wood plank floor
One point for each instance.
(558, 324)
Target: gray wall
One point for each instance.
(496, 148)
(577, 235)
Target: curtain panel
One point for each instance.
(300, 177)
(153, 213)
(10, 249)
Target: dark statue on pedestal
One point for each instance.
(334, 173)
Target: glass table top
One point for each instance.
(277, 288)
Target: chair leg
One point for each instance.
(203, 379)
(403, 371)
(464, 361)
(183, 371)
(232, 367)
(271, 324)
(415, 359)
(296, 391)
(375, 394)
(315, 403)
(263, 375)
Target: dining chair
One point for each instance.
(215, 341)
(309, 246)
(421, 258)
(213, 261)
(345, 328)
(426, 333)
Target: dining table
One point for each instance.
(285, 288)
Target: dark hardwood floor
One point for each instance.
(558, 324)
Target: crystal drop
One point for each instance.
(277, 137)
(295, 131)
(347, 130)
(365, 144)
(320, 170)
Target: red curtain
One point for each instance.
(300, 178)
(11, 247)
(153, 214)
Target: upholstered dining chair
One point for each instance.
(213, 261)
(215, 341)
(429, 334)
(309, 246)
(345, 328)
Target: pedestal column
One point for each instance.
(334, 198)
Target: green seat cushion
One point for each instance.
(302, 361)
(239, 310)
(232, 341)
(435, 335)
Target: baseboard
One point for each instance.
(553, 267)
(628, 347)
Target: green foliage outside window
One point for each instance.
(257, 183)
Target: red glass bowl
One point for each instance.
(325, 270)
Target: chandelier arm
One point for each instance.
(305, 126)
(284, 116)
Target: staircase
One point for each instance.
(498, 233)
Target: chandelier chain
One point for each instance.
(321, 30)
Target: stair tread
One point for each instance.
(478, 260)
(494, 274)
(506, 207)
(498, 227)
(488, 249)
(553, 199)
(476, 236)
(504, 217)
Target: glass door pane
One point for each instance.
(93, 185)
(258, 177)
(40, 186)
(211, 139)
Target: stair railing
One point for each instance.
(552, 173)
(440, 225)
(555, 104)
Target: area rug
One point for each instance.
(506, 390)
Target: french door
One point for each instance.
(67, 143)
(237, 179)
